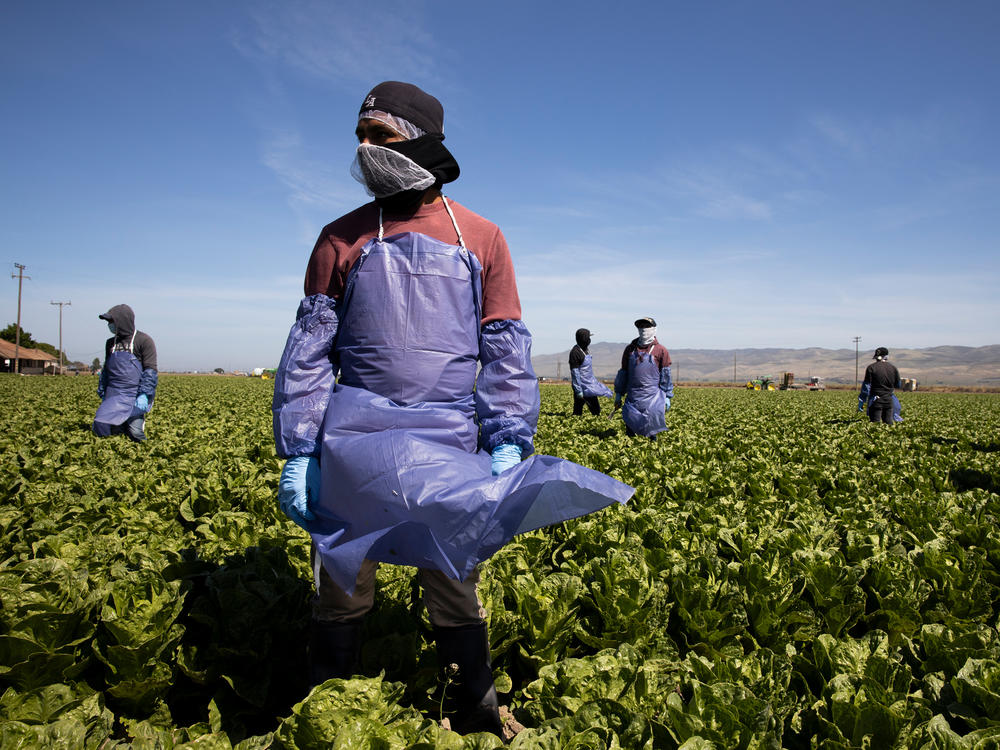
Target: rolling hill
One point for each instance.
(939, 365)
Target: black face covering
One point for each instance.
(403, 203)
(430, 153)
(583, 338)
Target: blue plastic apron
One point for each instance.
(645, 404)
(121, 389)
(401, 481)
(585, 382)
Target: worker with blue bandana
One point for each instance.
(406, 405)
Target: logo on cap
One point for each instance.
(369, 103)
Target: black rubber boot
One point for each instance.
(334, 650)
(470, 698)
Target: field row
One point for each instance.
(787, 575)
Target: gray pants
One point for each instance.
(449, 603)
(134, 427)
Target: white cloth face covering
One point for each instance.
(646, 336)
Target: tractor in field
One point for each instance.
(761, 383)
(815, 383)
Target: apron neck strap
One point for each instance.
(447, 207)
(454, 223)
(121, 346)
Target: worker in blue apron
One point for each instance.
(645, 383)
(413, 455)
(128, 380)
(586, 388)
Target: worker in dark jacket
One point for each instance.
(127, 385)
(645, 382)
(865, 399)
(586, 388)
(881, 377)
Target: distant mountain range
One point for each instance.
(938, 365)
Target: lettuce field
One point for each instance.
(786, 576)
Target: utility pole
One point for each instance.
(60, 333)
(856, 340)
(734, 368)
(17, 334)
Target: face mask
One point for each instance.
(646, 336)
(385, 172)
(112, 328)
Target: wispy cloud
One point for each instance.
(837, 132)
(343, 50)
(317, 189)
(339, 45)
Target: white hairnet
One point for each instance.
(405, 128)
(385, 172)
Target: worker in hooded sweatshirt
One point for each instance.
(586, 388)
(127, 385)
(645, 383)
(881, 377)
(405, 402)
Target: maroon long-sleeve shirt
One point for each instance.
(339, 246)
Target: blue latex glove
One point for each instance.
(504, 457)
(299, 484)
(861, 405)
(100, 392)
(667, 402)
(142, 403)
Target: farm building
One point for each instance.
(33, 361)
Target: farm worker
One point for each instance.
(410, 457)
(127, 385)
(881, 377)
(645, 383)
(865, 399)
(586, 388)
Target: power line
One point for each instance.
(60, 332)
(856, 340)
(17, 334)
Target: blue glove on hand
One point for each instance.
(100, 392)
(299, 484)
(667, 402)
(142, 403)
(505, 456)
(861, 405)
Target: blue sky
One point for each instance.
(749, 174)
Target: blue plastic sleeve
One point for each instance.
(507, 396)
(574, 376)
(148, 382)
(102, 381)
(621, 383)
(666, 381)
(305, 378)
(866, 392)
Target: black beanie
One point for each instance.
(409, 102)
